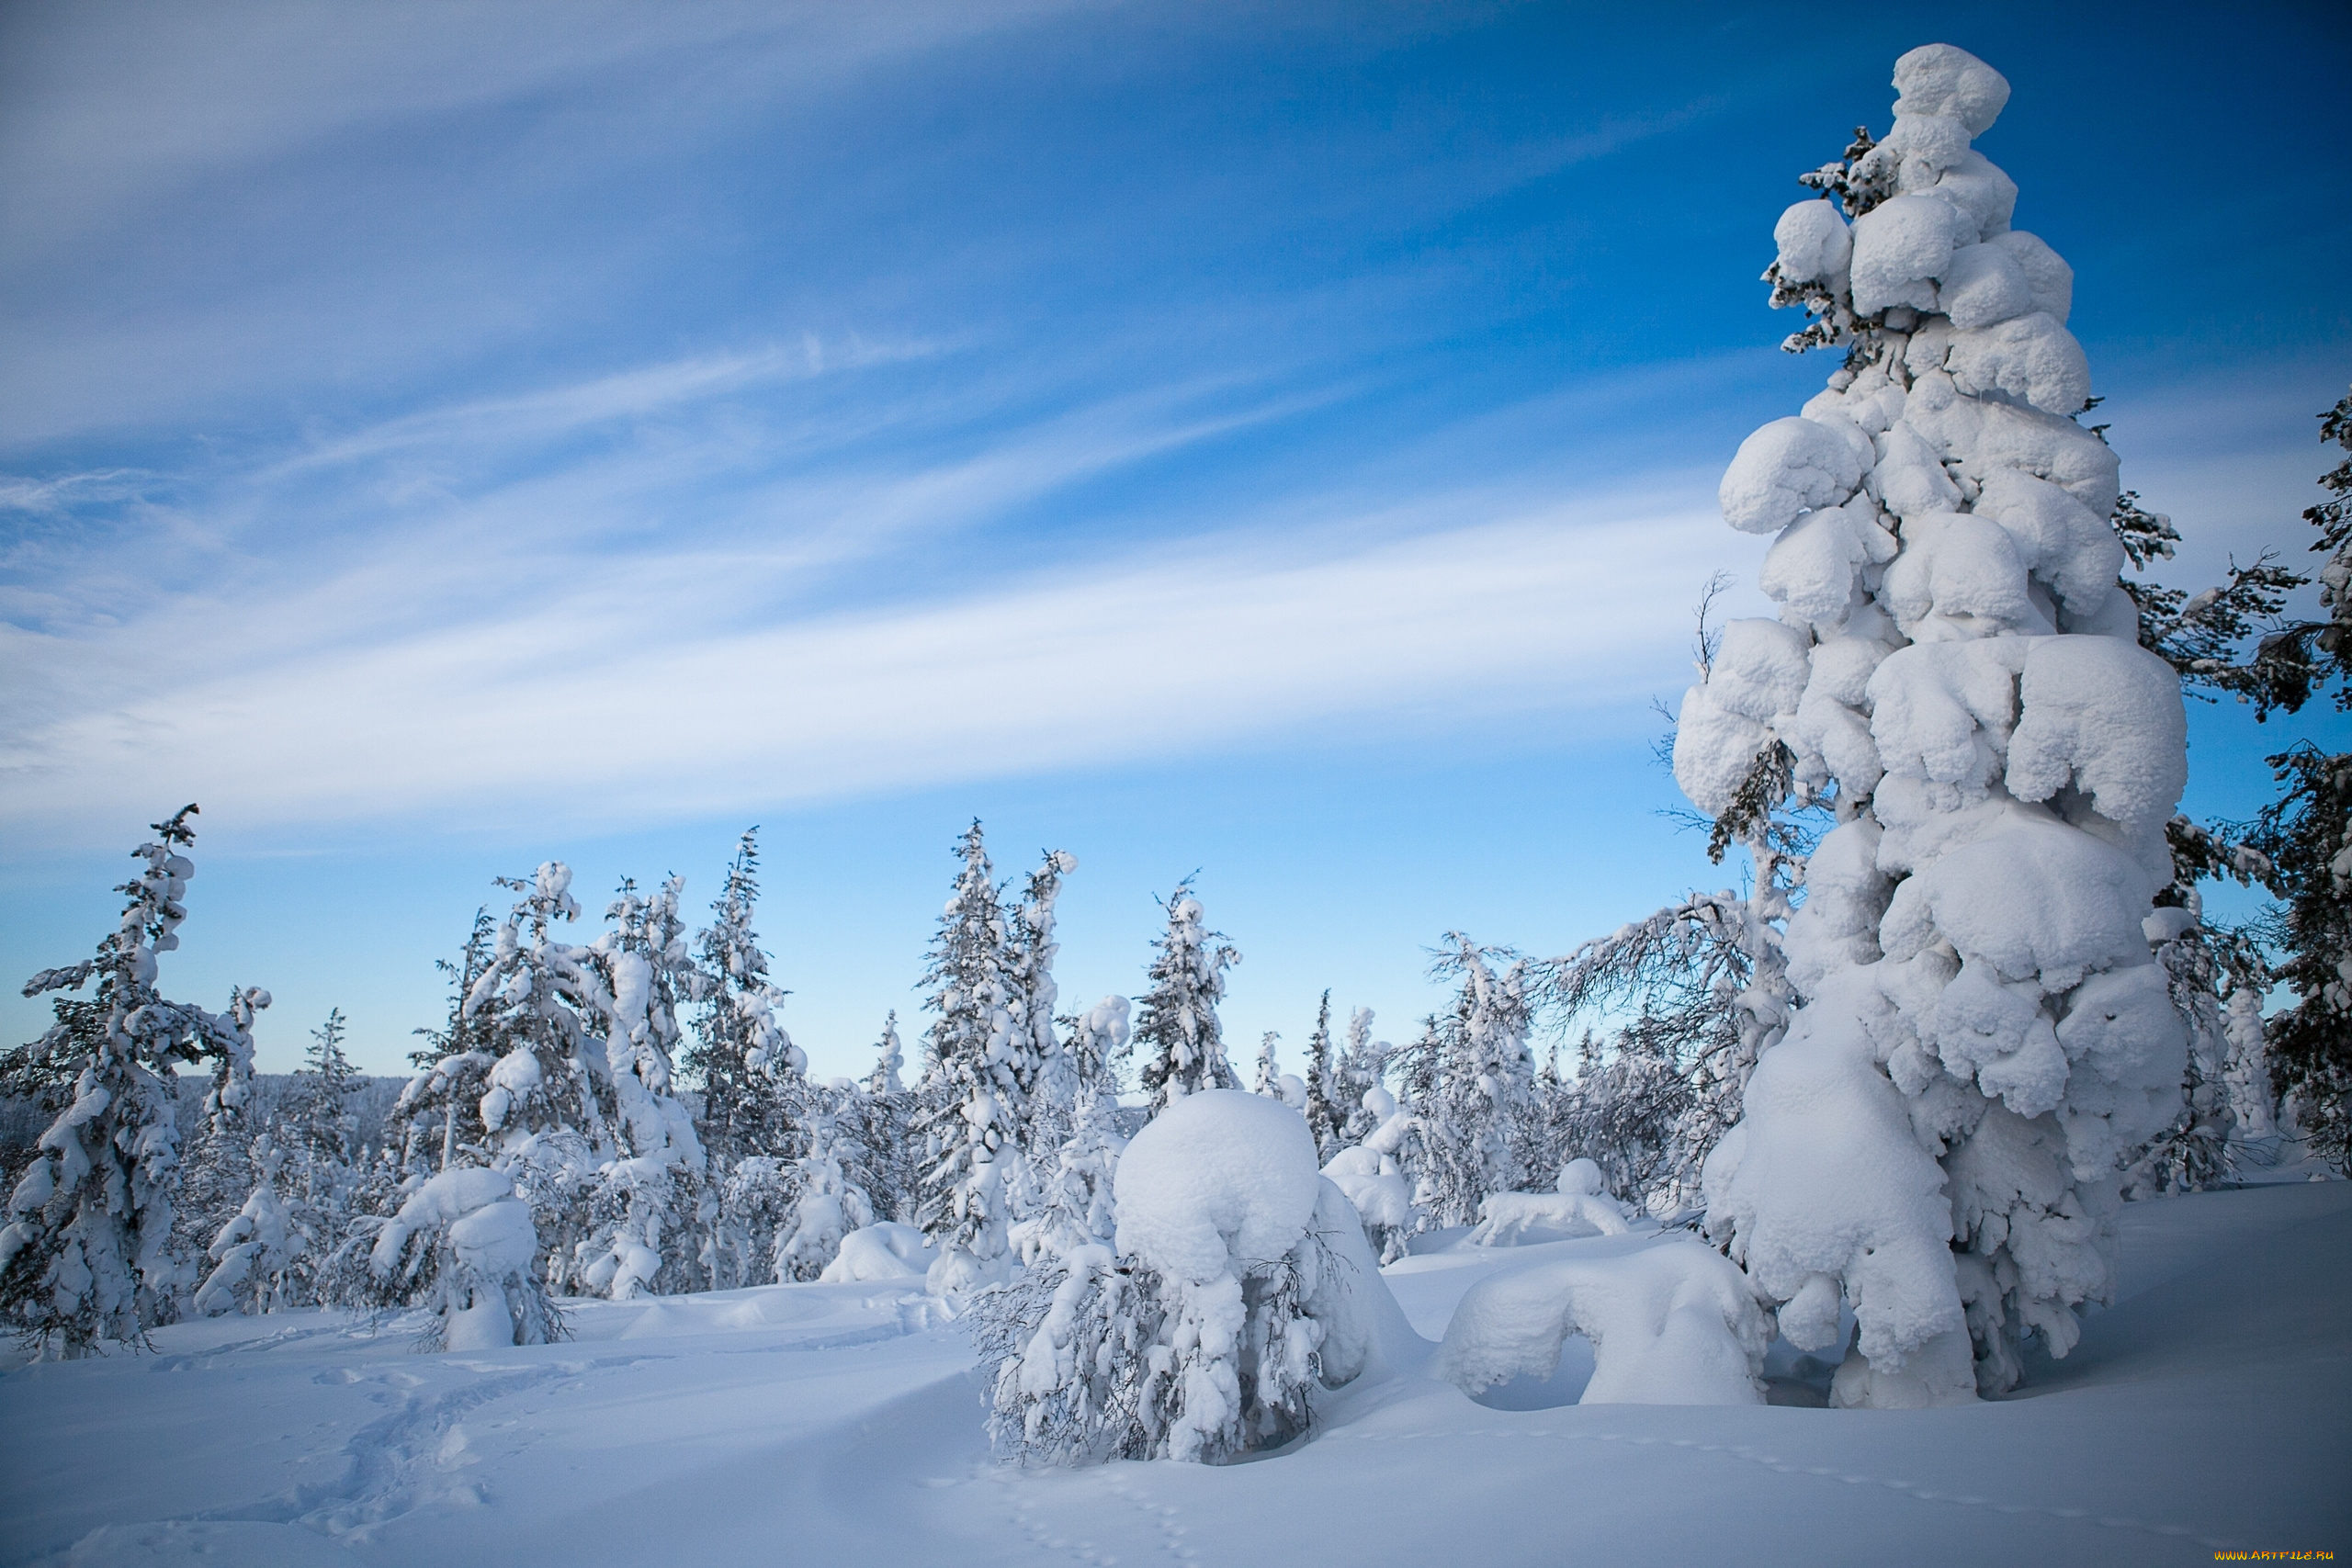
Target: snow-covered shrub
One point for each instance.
(86, 1255)
(1239, 1281)
(1578, 1207)
(1176, 1022)
(1371, 1173)
(1672, 1324)
(881, 1253)
(1073, 1358)
(1983, 1034)
(461, 1248)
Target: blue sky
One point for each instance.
(1274, 441)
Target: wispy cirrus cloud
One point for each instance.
(565, 707)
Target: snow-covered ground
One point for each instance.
(2210, 1407)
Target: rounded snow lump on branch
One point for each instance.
(1791, 466)
(1940, 78)
(1984, 285)
(1219, 1177)
(1815, 242)
(2107, 716)
(2031, 359)
(1901, 247)
(1670, 1325)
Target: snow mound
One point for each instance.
(877, 1254)
(1670, 1325)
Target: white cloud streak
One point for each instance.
(606, 703)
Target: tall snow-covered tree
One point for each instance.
(1176, 1024)
(2307, 835)
(1473, 1091)
(741, 1052)
(1326, 1114)
(649, 1197)
(828, 1205)
(877, 1123)
(1364, 1067)
(217, 1171)
(316, 1109)
(986, 1068)
(437, 1119)
(86, 1255)
(1032, 949)
(325, 1163)
(1982, 1035)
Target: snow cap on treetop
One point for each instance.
(1218, 1181)
(1939, 79)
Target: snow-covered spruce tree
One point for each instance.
(462, 1247)
(1073, 1205)
(1364, 1067)
(1374, 1175)
(436, 1123)
(1471, 1075)
(1097, 1040)
(739, 1050)
(546, 1114)
(87, 1254)
(1269, 1080)
(1326, 1113)
(259, 1256)
(316, 1110)
(828, 1206)
(326, 1172)
(1033, 951)
(2294, 847)
(986, 1067)
(2307, 834)
(1176, 1025)
(648, 1213)
(219, 1170)
(1983, 1033)
(1236, 1284)
(877, 1122)
(757, 1197)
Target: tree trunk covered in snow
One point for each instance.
(1983, 1033)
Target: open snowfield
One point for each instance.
(2210, 1407)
